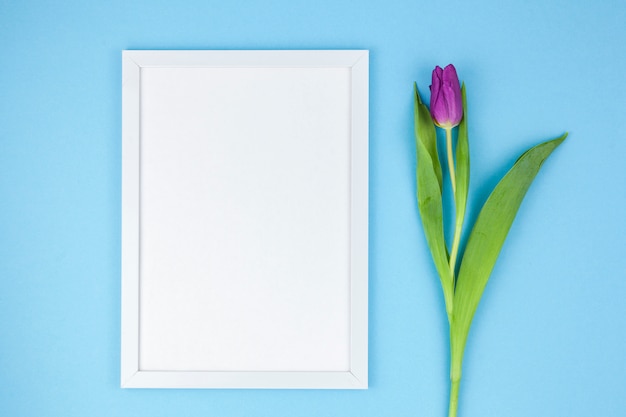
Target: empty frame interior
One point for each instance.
(244, 218)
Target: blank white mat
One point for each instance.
(244, 219)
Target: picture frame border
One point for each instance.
(133, 61)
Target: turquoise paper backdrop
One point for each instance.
(549, 338)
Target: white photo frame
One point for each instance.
(245, 219)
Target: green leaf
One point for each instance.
(487, 238)
(425, 132)
(429, 185)
(462, 159)
(462, 178)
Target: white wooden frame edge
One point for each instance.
(357, 376)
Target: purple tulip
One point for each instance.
(446, 103)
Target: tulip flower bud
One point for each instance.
(446, 102)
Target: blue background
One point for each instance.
(549, 338)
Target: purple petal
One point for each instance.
(435, 86)
(452, 93)
(437, 104)
(450, 76)
(452, 110)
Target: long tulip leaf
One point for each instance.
(462, 179)
(429, 186)
(462, 162)
(488, 236)
(425, 132)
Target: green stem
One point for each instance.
(454, 397)
(457, 348)
(450, 158)
(459, 216)
(455, 242)
(448, 294)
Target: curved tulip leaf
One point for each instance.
(425, 133)
(429, 185)
(462, 162)
(487, 238)
(462, 172)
